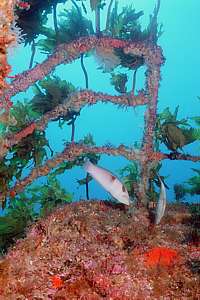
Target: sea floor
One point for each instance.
(93, 250)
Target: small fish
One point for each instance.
(160, 209)
(108, 181)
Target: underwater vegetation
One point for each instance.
(123, 43)
(91, 249)
(28, 207)
(175, 133)
(191, 186)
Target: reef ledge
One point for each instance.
(98, 250)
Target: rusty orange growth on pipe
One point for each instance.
(6, 38)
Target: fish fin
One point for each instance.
(123, 188)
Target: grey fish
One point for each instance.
(109, 182)
(161, 205)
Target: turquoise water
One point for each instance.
(107, 123)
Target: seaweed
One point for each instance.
(190, 186)
(27, 207)
(194, 183)
(71, 25)
(125, 25)
(130, 177)
(50, 195)
(79, 161)
(179, 191)
(119, 81)
(28, 157)
(174, 133)
(30, 151)
(49, 93)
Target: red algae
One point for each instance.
(92, 250)
(161, 256)
(57, 282)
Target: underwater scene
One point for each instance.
(99, 150)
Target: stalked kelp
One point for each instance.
(175, 133)
(30, 151)
(71, 25)
(119, 81)
(51, 92)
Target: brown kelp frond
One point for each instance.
(173, 132)
(33, 27)
(153, 32)
(194, 183)
(71, 25)
(30, 150)
(22, 210)
(125, 24)
(119, 81)
(49, 93)
(23, 114)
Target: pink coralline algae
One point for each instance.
(95, 250)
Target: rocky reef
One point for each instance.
(99, 250)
